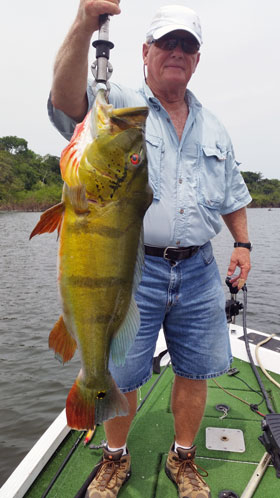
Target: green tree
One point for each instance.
(14, 145)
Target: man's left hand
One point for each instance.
(240, 258)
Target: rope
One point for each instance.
(237, 397)
(260, 363)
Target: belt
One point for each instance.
(172, 253)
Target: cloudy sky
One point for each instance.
(237, 78)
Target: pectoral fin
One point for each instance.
(62, 342)
(77, 196)
(49, 220)
(126, 334)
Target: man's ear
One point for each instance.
(145, 51)
(197, 61)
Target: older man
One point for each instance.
(195, 181)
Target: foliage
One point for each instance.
(30, 182)
(264, 192)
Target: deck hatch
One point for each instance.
(223, 439)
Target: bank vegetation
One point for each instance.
(30, 182)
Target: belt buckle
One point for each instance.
(165, 252)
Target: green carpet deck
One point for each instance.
(152, 434)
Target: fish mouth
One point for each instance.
(129, 117)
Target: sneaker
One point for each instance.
(111, 473)
(182, 470)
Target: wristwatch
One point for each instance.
(247, 245)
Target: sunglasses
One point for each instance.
(189, 46)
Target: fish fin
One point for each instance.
(77, 196)
(139, 262)
(80, 407)
(62, 342)
(126, 334)
(72, 153)
(114, 404)
(49, 220)
(84, 409)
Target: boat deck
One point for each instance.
(152, 434)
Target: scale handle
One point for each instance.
(102, 69)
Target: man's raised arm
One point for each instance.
(69, 86)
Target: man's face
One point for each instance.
(170, 68)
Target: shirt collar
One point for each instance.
(190, 98)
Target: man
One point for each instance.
(195, 180)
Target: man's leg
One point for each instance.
(188, 404)
(114, 469)
(117, 428)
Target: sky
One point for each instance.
(238, 77)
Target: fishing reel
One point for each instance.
(232, 305)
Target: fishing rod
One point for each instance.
(232, 308)
(271, 423)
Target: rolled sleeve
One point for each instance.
(62, 122)
(236, 193)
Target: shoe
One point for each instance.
(111, 473)
(182, 470)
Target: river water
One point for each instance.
(33, 384)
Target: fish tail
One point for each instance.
(110, 404)
(87, 407)
(80, 407)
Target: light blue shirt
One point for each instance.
(195, 180)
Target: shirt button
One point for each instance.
(168, 120)
(180, 180)
(181, 211)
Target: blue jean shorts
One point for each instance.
(188, 301)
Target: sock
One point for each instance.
(117, 449)
(180, 446)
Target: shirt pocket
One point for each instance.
(211, 181)
(155, 151)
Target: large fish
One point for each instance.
(99, 220)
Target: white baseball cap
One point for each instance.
(172, 17)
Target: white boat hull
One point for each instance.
(30, 467)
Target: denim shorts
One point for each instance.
(188, 301)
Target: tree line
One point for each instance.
(30, 182)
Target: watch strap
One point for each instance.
(247, 245)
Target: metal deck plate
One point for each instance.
(225, 439)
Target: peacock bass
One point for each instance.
(99, 221)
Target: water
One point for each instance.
(34, 385)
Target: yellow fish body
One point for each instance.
(105, 197)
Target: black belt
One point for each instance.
(172, 253)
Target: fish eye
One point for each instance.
(135, 159)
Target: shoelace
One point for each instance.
(108, 469)
(188, 463)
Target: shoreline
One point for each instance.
(40, 209)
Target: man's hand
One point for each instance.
(240, 258)
(69, 88)
(90, 10)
